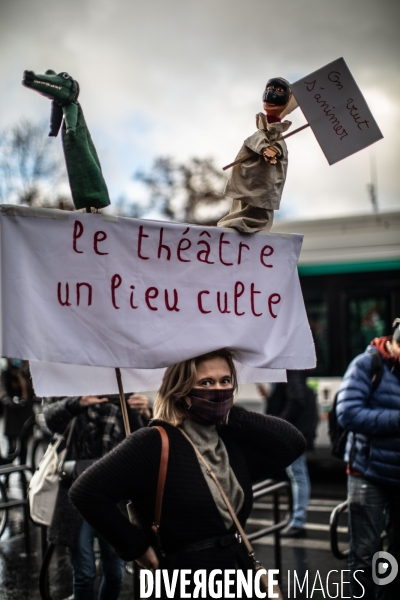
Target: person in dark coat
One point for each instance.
(97, 430)
(295, 402)
(17, 398)
(372, 418)
(196, 530)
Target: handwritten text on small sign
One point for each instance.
(336, 111)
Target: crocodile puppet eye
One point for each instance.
(65, 76)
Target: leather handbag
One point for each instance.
(256, 565)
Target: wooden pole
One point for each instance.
(288, 135)
(285, 137)
(124, 410)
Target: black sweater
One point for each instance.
(257, 446)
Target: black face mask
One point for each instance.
(272, 96)
(210, 405)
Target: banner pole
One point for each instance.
(240, 160)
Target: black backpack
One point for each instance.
(337, 434)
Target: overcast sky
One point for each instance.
(184, 78)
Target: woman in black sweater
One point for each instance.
(196, 531)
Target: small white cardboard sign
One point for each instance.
(336, 111)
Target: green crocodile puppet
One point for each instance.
(86, 180)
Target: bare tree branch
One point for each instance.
(191, 192)
(30, 164)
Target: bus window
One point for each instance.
(317, 312)
(368, 318)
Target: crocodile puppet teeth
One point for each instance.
(37, 82)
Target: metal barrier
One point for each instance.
(19, 503)
(268, 487)
(333, 523)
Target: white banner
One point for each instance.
(336, 111)
(98, 291)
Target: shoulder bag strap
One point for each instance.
(63, 454)
(70, 432)
(161, 481)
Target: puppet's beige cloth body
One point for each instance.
(256, 185)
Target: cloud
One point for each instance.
(185, 78)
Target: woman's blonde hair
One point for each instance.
(177, 382)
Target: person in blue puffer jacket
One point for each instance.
(372, 418)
